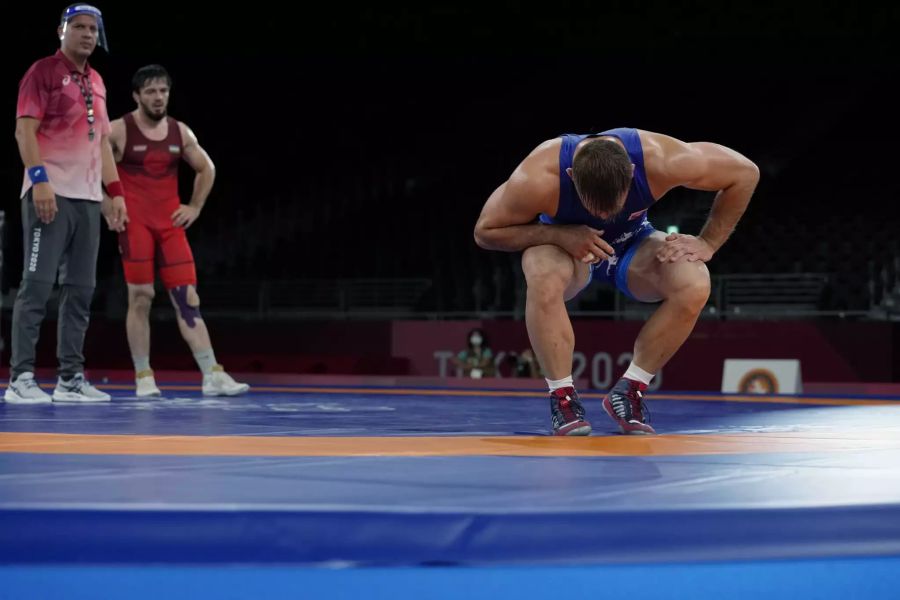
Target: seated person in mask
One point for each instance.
(477, 360)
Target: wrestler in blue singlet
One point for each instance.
(625, 230)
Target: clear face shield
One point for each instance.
(86, 9)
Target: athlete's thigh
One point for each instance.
(176, 262)
(551, 265)
(650, 280)
(137, 246)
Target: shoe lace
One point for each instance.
(28, 384)
(645, 411)
(629, 405)
(78, 385)
(638, 407)
(621, 404)
(564, 402)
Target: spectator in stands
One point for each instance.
(477, 360)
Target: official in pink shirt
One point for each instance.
(62, 130)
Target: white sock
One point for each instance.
(141, 363)
(635, 373)
(206, 360)
(555, 384)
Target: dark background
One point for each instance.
(362, 142)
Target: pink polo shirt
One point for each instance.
(49, 92)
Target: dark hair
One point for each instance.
(147, 74)
(601, 171)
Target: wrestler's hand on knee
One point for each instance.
(684, 247)
(585, 243)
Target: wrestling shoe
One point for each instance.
(625, 405)
(567, 413)
(145, 384)
(220, 383)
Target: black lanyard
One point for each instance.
(84, 83)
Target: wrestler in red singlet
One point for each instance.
(149, 146)
(149, 172)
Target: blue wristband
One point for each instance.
(38, 174)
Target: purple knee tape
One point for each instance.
(189, 313)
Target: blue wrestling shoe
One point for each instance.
(567, 413)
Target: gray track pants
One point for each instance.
(68, 245)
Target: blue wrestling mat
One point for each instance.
(736, 497)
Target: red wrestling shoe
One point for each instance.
(625, 405)
(567, 413)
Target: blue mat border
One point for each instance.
(368, 538)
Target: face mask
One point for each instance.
(475, 340)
